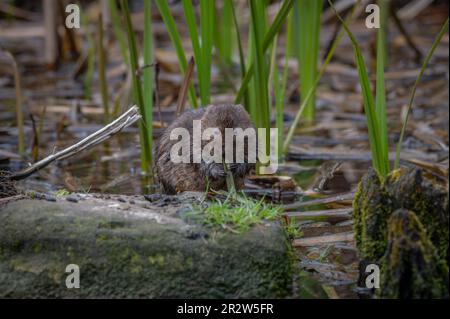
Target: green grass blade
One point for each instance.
(252, 89)
(380, 98)
(373, 123)
(305, 100)
(257, 9)
(239, 40)
(308, 50)
(279, 84)
(192, 28)
(203, 51)
(137, 90)
(224, 33)
(241, 52)
(277, 23)
(207, 25)
(148, 72)
(268, 38)
(121, 39)
(194, 35)
(436, 42)
(166, 15)
(277, 90)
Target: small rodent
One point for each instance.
(179, 177)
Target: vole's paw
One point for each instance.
(239, 169)
(213, 170)
(217, 172)
(234, 166)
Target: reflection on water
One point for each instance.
(112, 167)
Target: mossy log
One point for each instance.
(126, 247)
(416, 253)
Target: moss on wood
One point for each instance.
(136, 253)
(382, 238)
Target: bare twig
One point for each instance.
(413, 8)
(157, 102)
(125, 120)
(51, 34)
(18, 12)
(69, 33)
(409, 40)
(182, 96)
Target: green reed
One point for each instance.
(436, 42)
(145, 125)
(309, 13)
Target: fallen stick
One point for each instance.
(324, 240)
(341, 214)
(18, 12)
(320, 201)
(126, 119)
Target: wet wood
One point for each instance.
(324, 230)
(297, 153)
(324, 240)
(23, 31)
(332, 199)
(331, 214)
(128, 118)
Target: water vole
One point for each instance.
(179, 177)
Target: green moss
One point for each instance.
(140, 258)
(411, 267)
(373, 207)
(37, 248)
(428, 200)
(156, 260)
(370, 212)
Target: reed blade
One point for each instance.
(436, 42)
(175, 38)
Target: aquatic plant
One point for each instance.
(145, 125)
(309, 14)
(118, 32)
(224, 33)
(269, 36)
(375, 108)
(202, 54)
(436, 42)
(310, 94)
(280, 83)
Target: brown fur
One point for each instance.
(181, 177)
